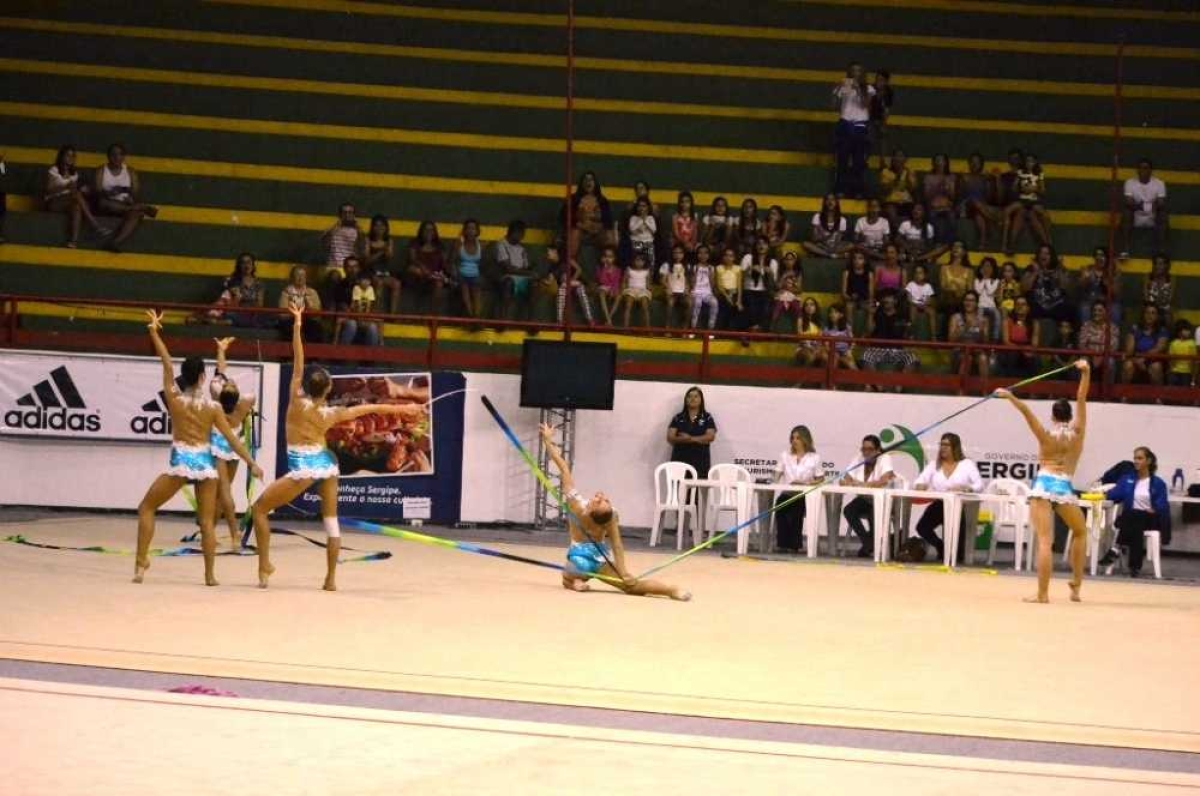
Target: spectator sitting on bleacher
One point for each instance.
(917, 240)
(886, 323)
(747, 227)
(939, 188)
(1029, 207)
(978, 199)
(852, 98)
(241, 288)
(298, 294)
(1183, 373)
(685, 227)
(643, 230)
(897, 184)
(376, 251)
(1145, 207)
(776, 229)
(828, 234)
(1097, 335)
(1147, 338)
(987, 289)
(872, 231)
(591, 217)
(955, 278)
(716, 225)
(1094, 283)
(858, 285)
(641, 190)
(465, 260)
(515, 269)
(1020, 330)
(970, 326)
(1045, 281)
(426, 270)
(356, 295)
(339, 241)
(1159, 289)
(118, 193)
(62, 193)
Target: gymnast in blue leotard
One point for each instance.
(592, 527)
(1059, 449)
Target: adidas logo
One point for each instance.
(53, 404)
(156, 420)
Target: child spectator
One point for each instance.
(717, 225)
(940, 189)
(954, 279)
(1159, 288)
(642, 229)
(636, 288)
(118, 193)
(987, 285)
(1010, 288)
(703, 278)
(1020, 330)
(776, 229)
(674, 278)
(978, 199)
(608, 287)
(788, 287)
(465, 258)
(920, 299)
(356, 295)
(376, 252)
(685, 230)
(747, 227)
(516, 271)
(729, 288)
(1145, 207)
(808, 326)
(759, 271)
(569, 278)
(889, 275)
(1183, 372)
(852, 98)
(62, 193)
(858, 288)
(837, 325)
(886, 324)
(872, 230)
(897, 184)
(1030, 206)
(827, 237)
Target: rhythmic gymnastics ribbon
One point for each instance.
(466, 547)
(370, 555)
(543, 478)
(838, 476)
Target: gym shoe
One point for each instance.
(1110, 557)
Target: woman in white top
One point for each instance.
(117, 194)
(799, 465)
(951, 472)
(63, 194)
(875, 470)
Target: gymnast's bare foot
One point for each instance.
(210, 580)
(1039, 599)
(139, 570)
(265, 571)
(330, 584)
(1075, 598)
(575, 584)
(680, 594)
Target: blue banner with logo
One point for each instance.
(402, 466)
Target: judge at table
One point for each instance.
(875, 470)
(951, 472)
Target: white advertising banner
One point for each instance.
(92, 397)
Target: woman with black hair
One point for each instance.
(691, 433)
(1144, 507)
(952, 471)
(62, 193)
(590, 216)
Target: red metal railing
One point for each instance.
(703, 367)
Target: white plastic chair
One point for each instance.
(1009, 513)
(1153, 550)
(729, 497)
(670, 496)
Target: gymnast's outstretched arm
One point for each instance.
(1035, 425)
(564, 470)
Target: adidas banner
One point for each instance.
(94, 397)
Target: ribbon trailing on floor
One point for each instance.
(838, 476)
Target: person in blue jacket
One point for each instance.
(1144, 507)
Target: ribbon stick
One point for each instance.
(837, 476)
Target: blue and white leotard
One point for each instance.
(311, 461)
(587, 558)
(1053, 487)
(193, 462)
(220, 447)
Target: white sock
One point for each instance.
(331, 527)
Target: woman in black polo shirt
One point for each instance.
(691, 433)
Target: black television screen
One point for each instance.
(557, 375)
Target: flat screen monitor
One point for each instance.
(558, 375)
